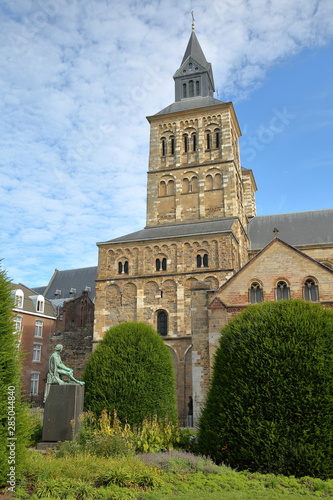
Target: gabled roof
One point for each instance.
(297, 229)
(77, 279)
(177, 231)
(261, 252)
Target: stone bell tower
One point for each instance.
(194, 164)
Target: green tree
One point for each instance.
(270, 404)
(15, 424)
(131, 372)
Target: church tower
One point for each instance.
(194, 164)
(199, 200)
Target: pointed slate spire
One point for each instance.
(194, 78)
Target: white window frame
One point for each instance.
(37, 353)
(17, 324)
(34, 383)
(39, 329)
(40, 304)
(19, 298)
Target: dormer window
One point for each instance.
(191, 88)
(19, 298)
(40, 304)
(184, 90)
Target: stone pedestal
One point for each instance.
(63, 407)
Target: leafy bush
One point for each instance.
(131, 373)
(15, 423)
(108, 437)
(270, 405)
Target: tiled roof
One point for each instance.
(297, 229)
(177, 231)
(77, 279)
(190, 103)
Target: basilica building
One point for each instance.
(204, 255)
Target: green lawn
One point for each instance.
(159, 476)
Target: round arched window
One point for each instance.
(162, 322)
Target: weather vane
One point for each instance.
(192, 20)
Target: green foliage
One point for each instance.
(108, 437)
(36, 426)
(14, 418)
(131, 373)
(270, 404)
(156, 476)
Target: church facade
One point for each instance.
(201, 215)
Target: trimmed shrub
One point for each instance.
(131, 373)
(270, 404)
(15, 423)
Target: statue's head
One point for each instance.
(58, 347)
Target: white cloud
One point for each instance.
(78, 79)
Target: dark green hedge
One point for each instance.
(270, 404)
(15, 423)
(131, 372)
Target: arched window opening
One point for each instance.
(311, 290)
(185, 140)
(170, 188)
(217, 139)
(123, 267)
(207, 140)
(202, 260)
(162, 323)
(209, 182)
(194, 142)
(164, 150)
(161, 264)
(197, 87)
(162, 189)
(218, 181)
(184, 90)
(194, 185)
(172, 145)
(191, 88)
(186, 185)
(256, 293)
(282, 291)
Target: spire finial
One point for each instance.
(193, 27)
